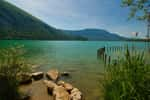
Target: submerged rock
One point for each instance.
(53, 74)
(60, 93)
(101, 53)
(35, 66)
(37, 75)
(65, 74)
(76, 94)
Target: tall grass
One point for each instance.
(11, 63)
(128, 79)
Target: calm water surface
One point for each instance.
(78, 57)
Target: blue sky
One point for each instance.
(80, 14)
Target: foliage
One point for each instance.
(11, 64)
(18, 24)
(139, 8)
(128, 79)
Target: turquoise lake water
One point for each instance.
(77, 57)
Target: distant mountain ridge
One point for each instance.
(95, 34)
(18, 24)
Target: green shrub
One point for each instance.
(128, 79)
(11, 64)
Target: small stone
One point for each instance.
(53, 74)
(60, 83)
(76, 94)
(25, 96)
(68, 86)
(37, 75)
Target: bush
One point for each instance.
(11, 64)
(128, 79)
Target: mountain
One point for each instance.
(96, 34)
(18, 24)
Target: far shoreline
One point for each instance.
(126, 40)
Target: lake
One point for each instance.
(77, 57)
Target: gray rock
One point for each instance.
(37, 75)
(53, 74)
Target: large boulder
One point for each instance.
(50, 86)
(60, 93)
(24, 78)
(53, 74)
(37, 75)
(76, 94)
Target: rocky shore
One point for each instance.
(48, 85)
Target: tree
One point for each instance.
(140, 9)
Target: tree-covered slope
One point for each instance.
(96, 34)
(17, 24)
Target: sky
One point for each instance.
(83, 14)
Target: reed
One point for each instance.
(128, 78)
(11, 63)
